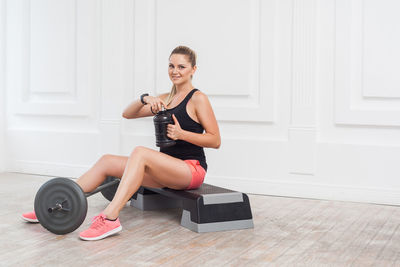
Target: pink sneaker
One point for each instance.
(101, 228)
(30, 217)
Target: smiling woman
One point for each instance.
(182, 166)
(182, 64)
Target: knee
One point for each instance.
(139, 151)
(106, 158)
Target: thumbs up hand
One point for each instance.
(174, 131)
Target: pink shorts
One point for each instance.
(198, 173)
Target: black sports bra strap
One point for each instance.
(187, 98)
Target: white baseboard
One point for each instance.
(309, 190)
(48, 168)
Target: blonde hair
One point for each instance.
(182, 50)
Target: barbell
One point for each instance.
(61, 205)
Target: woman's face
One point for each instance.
(180, 69)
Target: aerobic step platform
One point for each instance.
(206, 209)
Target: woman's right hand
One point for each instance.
(155, 103)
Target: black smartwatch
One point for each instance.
(142, 100)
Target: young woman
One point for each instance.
(182, 166)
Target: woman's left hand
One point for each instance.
(174, 131)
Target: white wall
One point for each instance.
(2, 86)
(306, 92)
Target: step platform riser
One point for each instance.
(214, 227)
(208, 209)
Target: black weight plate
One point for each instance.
(66, 192)
(109, 192)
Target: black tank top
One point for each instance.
(184, 150)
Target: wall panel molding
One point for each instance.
(143, 61)
(302, 129)
(50, 31)
(303, 63)
(68, 93)
(117, 48)
(354, 104)
(253, 102)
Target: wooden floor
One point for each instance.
(288, 232)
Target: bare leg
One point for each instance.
(149, 168)
(105, 166)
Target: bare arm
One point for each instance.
(211, 137)
(136, 109)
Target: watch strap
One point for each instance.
(142, 100)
